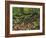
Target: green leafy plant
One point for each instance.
(26, 15)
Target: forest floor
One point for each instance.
(23, 26)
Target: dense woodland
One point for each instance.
(26, 18)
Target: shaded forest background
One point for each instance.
(26, 18)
